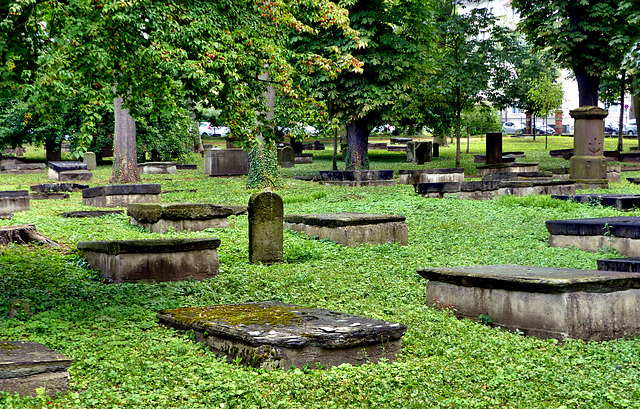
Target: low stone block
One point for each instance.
(619, 201)
(483, 158)
(397, 148)
(49, 196)
(377, 146)
(75, 175)
(226, 162)
(153, 168)
(27, 366)
(90, 213)
(541, 301)
(12, 201)
(596, 234)
(415, 176)
(274, 335)
(160, 218)
(631, 264)
(537, 187)
(302, 158)
(351, 229)
(186, 166)
(58, 187)
(382, 174)
(121, 195)
(153, 260)
(515, 167)
(55, 168)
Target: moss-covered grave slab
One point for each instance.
(277, 335)
(541, 301)
(27, 366)
(351, 228)
(595, 234)
(163, 217)
(121, 195)
(12, 201)
(153, 260)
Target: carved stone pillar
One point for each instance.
(588, 165)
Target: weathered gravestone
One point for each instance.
(12, 201)
(162, 217)
(28, 366)
(90, 160)
(266, 239)
(419, 152)
(350, 228)
(69, 171)
(277, 335)
(153, 260)
(595, 234)
(226, 162)
(494, 147)
(121, 195)
(286, 157)
(541, 301)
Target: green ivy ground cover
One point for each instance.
(122, 358)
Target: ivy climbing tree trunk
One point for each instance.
(125, 157)
(263, 157)
(357, 144)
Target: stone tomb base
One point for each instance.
(160, 218)
(151, 168)
(619, 201)
(27, 366)
(12, 201)
(358, 178)
(351, 229)
(153, 260)
(516, 167)
(541, 301)
(274, 335)
(618, 233)
(121, 195)
(69, 171)
(415, 176)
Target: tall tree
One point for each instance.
(577, 33)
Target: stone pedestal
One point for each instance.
(494, 147)
(588, 166)
(266, 238)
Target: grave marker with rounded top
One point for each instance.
(266, 239)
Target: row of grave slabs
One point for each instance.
(277, 335)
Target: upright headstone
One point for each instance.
(266, 215)
(588, 166)
(90, 160)
(423, 152)
(436, 150)
(286, 157)
(494, 147)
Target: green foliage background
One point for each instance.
(122, 358)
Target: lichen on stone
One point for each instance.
(236, 314)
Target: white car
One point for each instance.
(512, 128)
(205, 129)
(631, 128)
(221, 131)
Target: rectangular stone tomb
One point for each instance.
(516, 167)
(226, 162)
(121, 195)
(58, 187)
(476, 190)
(537, 187)
(69, 171)
(619, 201)
(415, 176)
(618, 233)
(162, 217)
(541, 301)
(151, 168)
(274, 335)
(12, 201)
(153, 260)
(303, 158)
(27, 366)
(630, 264)
(382, 177)
(351, 229)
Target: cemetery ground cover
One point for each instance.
(122, 358)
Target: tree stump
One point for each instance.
(23, 234)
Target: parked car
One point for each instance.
(221, 131)
(542, 130)
(631, 128)
(610, 129)
(512, 128)
(205, 129)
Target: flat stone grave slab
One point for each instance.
(537, 187)
(69, 171)
(152, 168)
(90, 213)
(12, 201)
(58, 187)
(399, 140)
(380, 177)
(163, 217)
(186, 166)
(15, 166)
(630, 264)
(483, 158)
(561, 153)
(274, 335)
(415, 176)
(595, 234)
(397, 148)
(27, 366)
(619, 201)
(515, 167)
(349, 228)
(153, 260)
(541, 301)
(303, 158)
(121, 195)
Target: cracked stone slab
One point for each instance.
(272, 334)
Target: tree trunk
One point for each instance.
(263, 158)
(335, 149)
(587, 87)
(458, 121)
(621, 118)
(53, 151)
(357, 144)
(125, 156)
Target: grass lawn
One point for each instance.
(122, 358)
